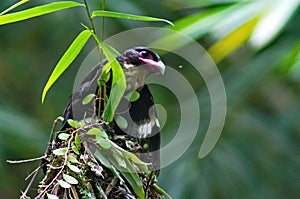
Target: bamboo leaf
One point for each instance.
(37, 11)
(118, 80)
(69, 56)
(277, 14)
(232, 41)
(105, 13)
(13, 6)
(118, 85)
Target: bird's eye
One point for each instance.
(145, 54)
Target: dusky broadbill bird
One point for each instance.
(142, 122)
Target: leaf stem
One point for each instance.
(103, 93)
(90, 16)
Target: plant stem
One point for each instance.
(101, 59)
(94, 29)
(102, 24)
(90, 16)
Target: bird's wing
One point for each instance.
(75, 109)
(146, 125)
(142, 113)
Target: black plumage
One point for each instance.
(137, 63)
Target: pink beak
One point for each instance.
(158, 67)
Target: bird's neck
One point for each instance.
(135, 80)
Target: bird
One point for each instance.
(142, 121)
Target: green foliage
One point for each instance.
(88, 99)
(60, 151)
(256, 156)
(13, 6)
(105, 13)
(63, 136)
(118, 84)
(64, 184)
(121, 122)
(118, 161)
(133, 96)
(69, 179)
(36, 11)
(65, 61)
(51, 196)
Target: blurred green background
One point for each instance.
(256, 44)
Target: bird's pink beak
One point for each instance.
(158, 67)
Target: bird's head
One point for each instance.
(140, 57)
(138, 64)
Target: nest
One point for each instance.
(90, 161)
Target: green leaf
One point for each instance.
(98, 133)
(64, 184)
(13, 6)
(105, 13)
(118, 85)
(231, 42)
(160, 191)
(133, 96)
(63, 136)
(68, 57)
(73, 167)
(105, 75)
(278, 15)
(75, 149)
(103, 159)
(77, 140)
(105, 144)
(60, 151)
(119, 158)
(118, 80)
(73, 123)
(70, 179)
(72, 159)
(121, 122)
(194, 26)
(134, 158)
(88, 99)
(37, 11)
(51, 196)
(133, 178)
(135, 183)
